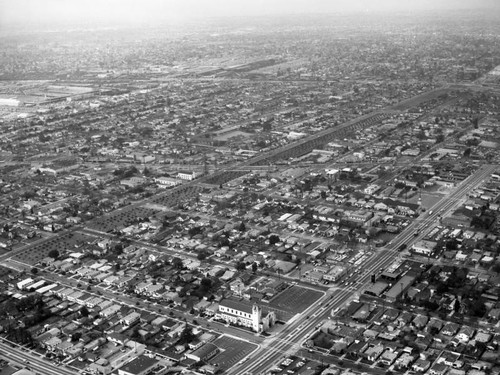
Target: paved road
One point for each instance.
(290, 339)
(33, 360)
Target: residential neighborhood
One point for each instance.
(312, 196)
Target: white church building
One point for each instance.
(243, 313)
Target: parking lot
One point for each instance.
(232, 351)
(295, 299)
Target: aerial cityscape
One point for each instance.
(242, 188)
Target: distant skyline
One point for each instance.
(56, 12)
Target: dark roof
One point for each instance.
(139, 364)
(237, 305)
(205, 350)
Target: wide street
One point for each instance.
(292, 337)
(27, 358)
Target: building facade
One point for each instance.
(246, 315)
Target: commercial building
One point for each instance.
(167, 181)
(142, 365)
(204, 352)
(424, 247)
(185, 175)
(399, 288)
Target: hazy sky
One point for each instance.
(81, 11)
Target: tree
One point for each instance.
(34, 270)
(202, 255)
(399, 185)
(186, 335)
(477, 308)
(194, 231)
(177, 263)
(241, 266)
(206, 283)
(242, 227)
(254, 267)
(467, 152)
(433, 330)
(118, 248)
(53, 254)
(273, 239)
(452, 244)
(496, 267)
(84, 311)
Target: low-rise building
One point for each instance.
(424, 247)
(203, 352)
(245, 314)
(141, 365)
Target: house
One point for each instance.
(237, 286)
(373, 352)
(388, 357)
(420, 321)
(421, 365)
(438, 369)
(434, 326)
(380, 206)
(465, 334)
(449, 358)
(110, 311)
(450, 329)
(371, 189)
(131, 318)
(483, 337)
(404, 360)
